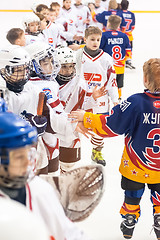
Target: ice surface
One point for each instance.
(103, 224)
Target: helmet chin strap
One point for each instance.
(61, 79)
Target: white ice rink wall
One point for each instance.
(135, 5)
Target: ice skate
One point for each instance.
(129, 65)
(128, 225)
(97, 156)
(157, 225)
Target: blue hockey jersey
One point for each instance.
(103, 18)
(117, 45)
(138, 118)
(129, 18)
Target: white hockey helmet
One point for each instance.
(17, 222)
(39, 51)
(65, 56)
(30, 18)
(12, 58)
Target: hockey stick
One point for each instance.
(40, 103)
(78, 74)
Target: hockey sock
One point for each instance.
(130, 209)
(119, 92)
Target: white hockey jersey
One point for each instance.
(73, 96)
(63, 127)
(51, 35)
(27, 100)
(71, 18)
(42, 199)
(31, 39)
(83, 13)
(99, 71)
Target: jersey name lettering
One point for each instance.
(153, 118)
(115, 40)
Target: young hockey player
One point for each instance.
(130, 25)
(16, 36)
(103, 17)
(70, 13)
(97, 70)
(43, 57)
(117, 45)
(22, 96)
(63, 25)
(51, 32)
(20, 222)
(83, 17)
(18, 183)
(73, 95)
(31, 24)
(138, 119)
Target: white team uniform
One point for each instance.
(51, 89)
(105, 4)
(75, 99)
(99, 71)
(31, 39)
(83, 13)
(71, 18)
(43, 200)
(27, 100)
(51, 35)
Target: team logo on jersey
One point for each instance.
(70, 21)
(79, 17)
(156, 104)
(124, 105)
(50, 40)
(92, 77)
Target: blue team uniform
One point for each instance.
(117, 45)
(103, 18)
(138, 118)
(129, 18)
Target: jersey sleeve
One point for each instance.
(119, 122)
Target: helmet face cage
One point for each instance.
(67, 78)
(9, 181)
(65, 56)
(48, 53)
(13, 74)
(16, 140)
(16, 76)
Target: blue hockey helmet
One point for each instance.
(14, 133)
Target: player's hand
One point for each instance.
(77, 116)
(115, 104)
(74, 46)
(40, 122)
(81, 129)
(91, 7)
(99, 92)
(86, 21)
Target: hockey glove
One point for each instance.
(80, 190)
(40, 122)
